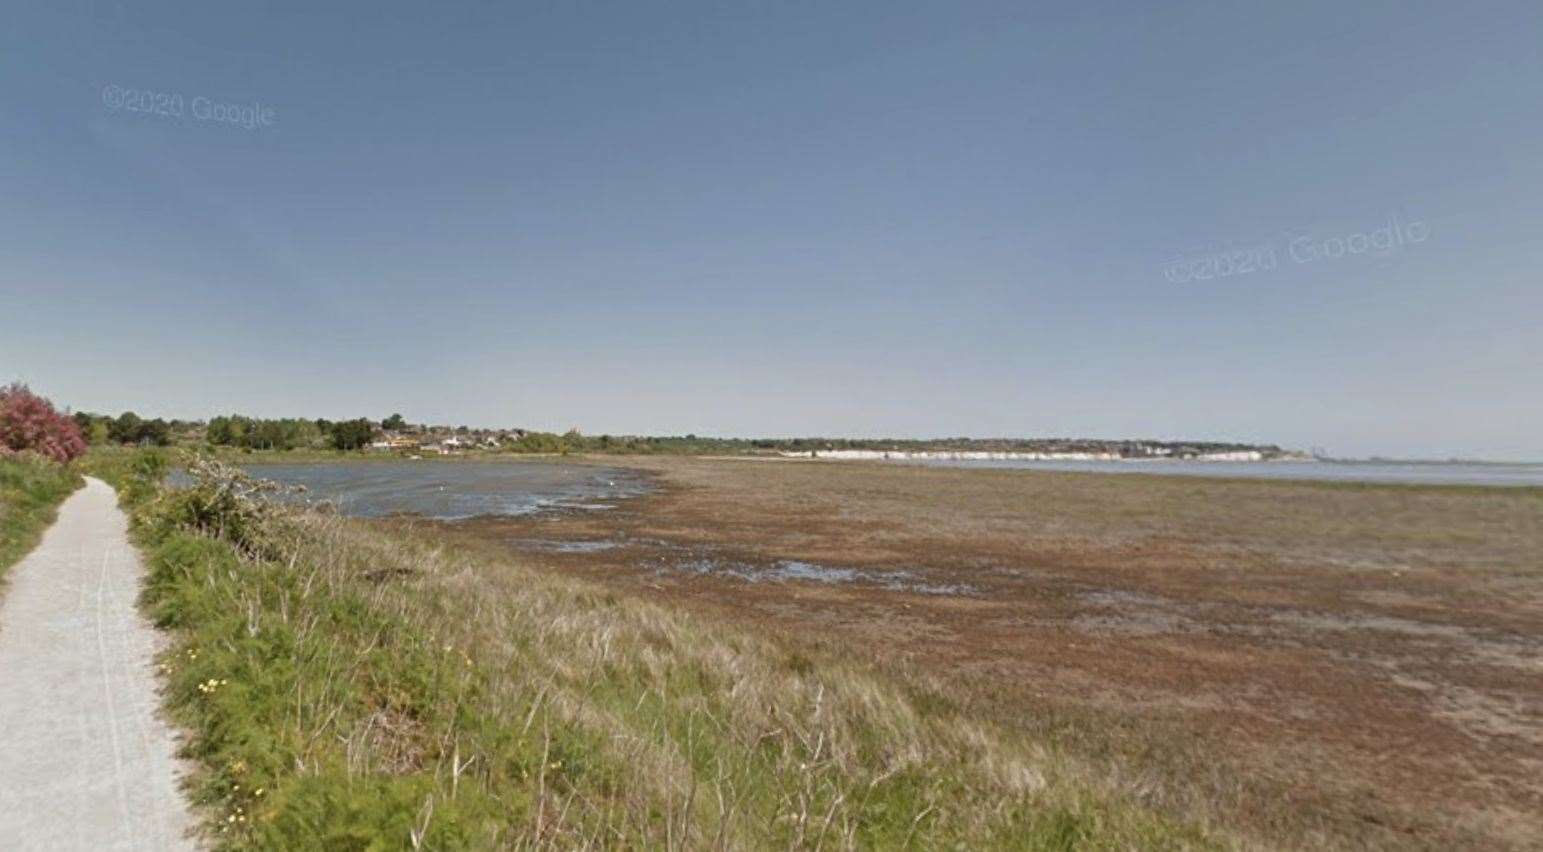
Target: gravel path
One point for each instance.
(84, 761)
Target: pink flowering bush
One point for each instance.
(29, 422)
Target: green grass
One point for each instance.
(30, 493)
(348, 688)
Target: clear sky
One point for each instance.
(788, 218)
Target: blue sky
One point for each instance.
(788, 218)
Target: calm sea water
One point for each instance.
(1426, 473)
(455, 490)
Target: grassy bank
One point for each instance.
(349, 688)
(30, 493)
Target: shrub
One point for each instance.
(30, 422)
(223, 500)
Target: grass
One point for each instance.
(31, 490)
(345, 687)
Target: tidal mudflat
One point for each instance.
(1316, 663)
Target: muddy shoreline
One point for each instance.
(1374, 657)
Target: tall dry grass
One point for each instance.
(346, 687)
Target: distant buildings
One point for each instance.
(1060, 450)
(442, 441)
(392, 442)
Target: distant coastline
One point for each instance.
(1049, 455)
(1246, 464)
(1047, 449)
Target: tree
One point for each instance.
(352, 434)
(257, 434)
(395, 423)
(156, 432)
(93, 427)
(30, 422)
(219, 431)
(270, 435)
(125, 429)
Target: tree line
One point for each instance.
(127, 428)
(254, 433)
(288, 433)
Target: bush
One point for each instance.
(30, 422)
(223, 501)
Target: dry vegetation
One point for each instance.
(1304, 664)
(345, 686)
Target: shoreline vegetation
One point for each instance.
(347, 685)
